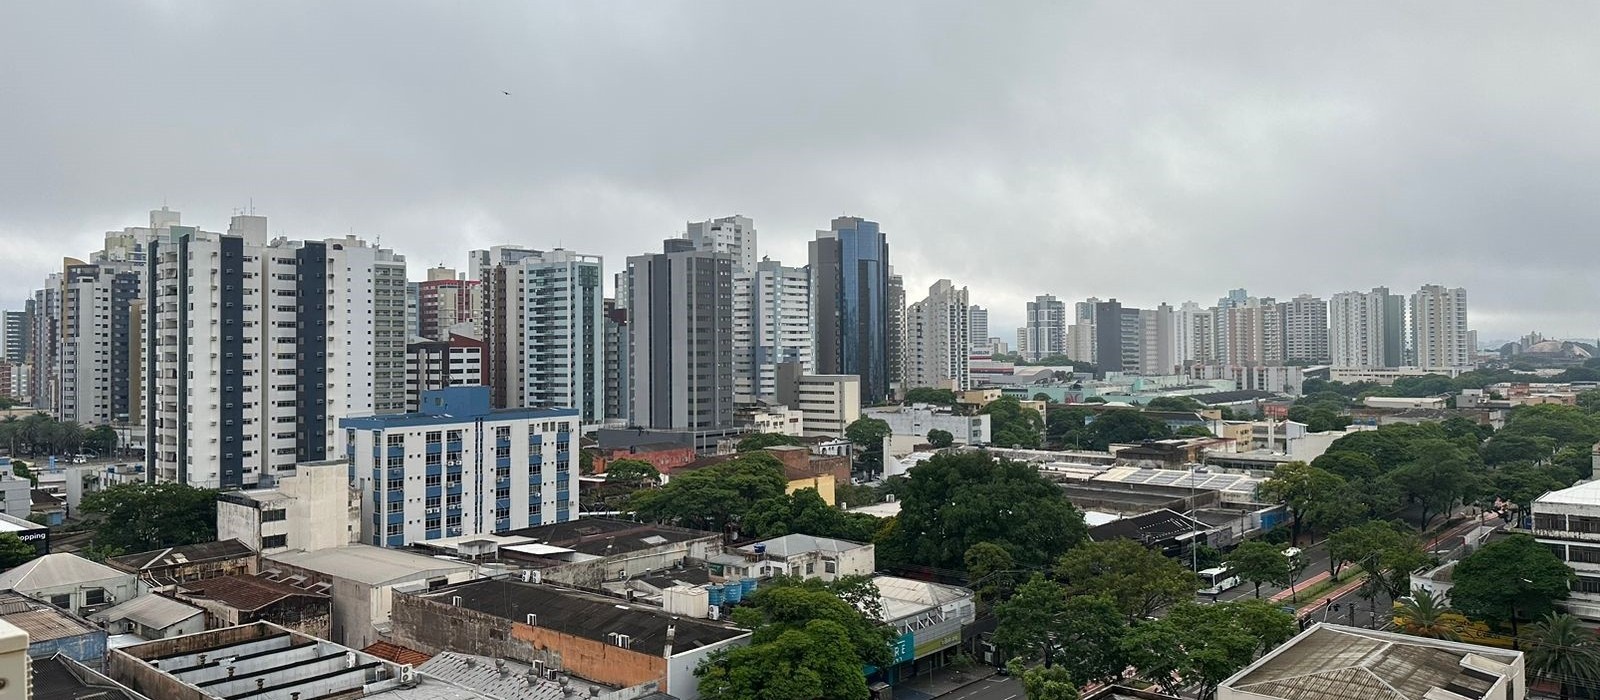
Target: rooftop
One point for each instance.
(41, 621)
(268, 661)
(583, 615)
(454, 405)
(1333, 662)
(1199, 480)
(150, 610)
(243, 592)
(396, 653)
(364, 563)
(601, 536)
(183, 554)
(1145, 528)
(61, 678)
(501, 678)
(790, 545)
(1585, 494)
(1227, 397)
(903, 597)
(54, 570)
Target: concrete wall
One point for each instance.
(121, 588)
(239, 522)
(88, 648)
(681, 680)
(590, 574)
(432, 627)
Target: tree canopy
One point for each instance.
(805, 512)
(940, 438)
(1123, 426)
(807, 643)
(1259, 562)
(757, 441)
(956, 500)
(713, 497)
(141, 517)
(14, 551)
(1510, 580)
(1204, 644)
(1136, 579)
(631, 471)
(923, 394)
(1301, 487)
(1012, 425)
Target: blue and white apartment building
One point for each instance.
(458, 467)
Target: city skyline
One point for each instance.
(1097, 138)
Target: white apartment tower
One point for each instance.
(545, 331)
(1196, 342)
(1365, 329)
(978, 330)
(256, 349)
(938, 347)
(1046, 329)
(771, 327)
(1439, 334)
(1305, 329)
(734, 235)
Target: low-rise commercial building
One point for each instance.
(1568, 522)
(928, 618)
(584, 553)
(459, 467)
(808, 557)
(54, 631)
(361, 579)
(162, 568)
(919, 419)
(594, 637)
(1334, 662)
(71, 583)
(228, 601)
(829, 402)
(151, 617)
(314, 508)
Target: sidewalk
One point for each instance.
(1323, 600)
(943, 681)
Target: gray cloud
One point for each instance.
(1147, 153)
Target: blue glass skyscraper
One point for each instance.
(850, 272)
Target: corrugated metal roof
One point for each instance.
(52, 570)
(152, 610)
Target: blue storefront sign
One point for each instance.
(905, 647)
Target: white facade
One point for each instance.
(311, 510)
(1305, 329)
(918, 420)
(460, 468)
(1045, 332)
(938, 346)
(544, 321)
(978, 330)
(734, 235)
(808, 557)
(1439, 333)
(1158, 341)
(780, 420)
(1568, 522)
(829, 402)
(771, 326)
(1193, 338)
(1361, 330)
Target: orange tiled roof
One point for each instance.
(396, 653)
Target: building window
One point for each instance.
(396, 440)
(274, 541)
(1584, 584)
(94, 596)
(432, 480)
(1547, 521)
(830, 567)
(274, 515)
(63, 601)
(811, 568)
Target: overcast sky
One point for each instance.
(1145, 151)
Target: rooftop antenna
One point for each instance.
(252, 206)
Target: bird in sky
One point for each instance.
(503, 92)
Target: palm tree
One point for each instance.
(1422, 614)
(1561, 650)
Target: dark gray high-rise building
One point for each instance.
(14, 344)
(1118, 337)
(851, 280)
(897, 329)
(680, 333)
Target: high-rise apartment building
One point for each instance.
(978, 330)
(444, 301)
(1195, 338)
(458, 468)
(1080, 335)
(254, 350)
(772, 325)
(850, 283)
(734, 235)
(1439, 333)
(896, 340)
(45, 345)
(432, 365)
(1305, 329)
(481, 262)
(1118, 337)
(680, 334)
(1366, 329)
(618, 391)
(1046, 321)
(14, 344)
(938, 347)
(1158, 343)
(98, 349)
(545, 327)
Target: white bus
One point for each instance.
(1215, 581)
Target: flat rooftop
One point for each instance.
(364, 563)
(186, 554)
(1333, 662)
(600, 536)
(583, 615)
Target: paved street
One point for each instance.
(994, 688)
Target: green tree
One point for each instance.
(1123, 426)
(1517, 448)
(1064, 425)
(758, 441)
(1387, 553)
(14, 551)
(1174, 403)
(1012, 425)
(1090, 633)
(940, 438)
(804, 512)
(868, 434)
(1423, 614)
(1521, 482)
(809, 641)
(1041, 396)
(142, 517)
(1025, 621)
(1258, 562)
(1562, 651)
(102, 440)
(1138, 580)
(632, 471)
(1439, 475)
(1042, 683)
(1350, 466)
(1510, 580)
(1194, 431)
(713, 497)
(990, 564)
(1300, 486)
(855, 495)
(1204, 644)
(955, 500)
(923, 394)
